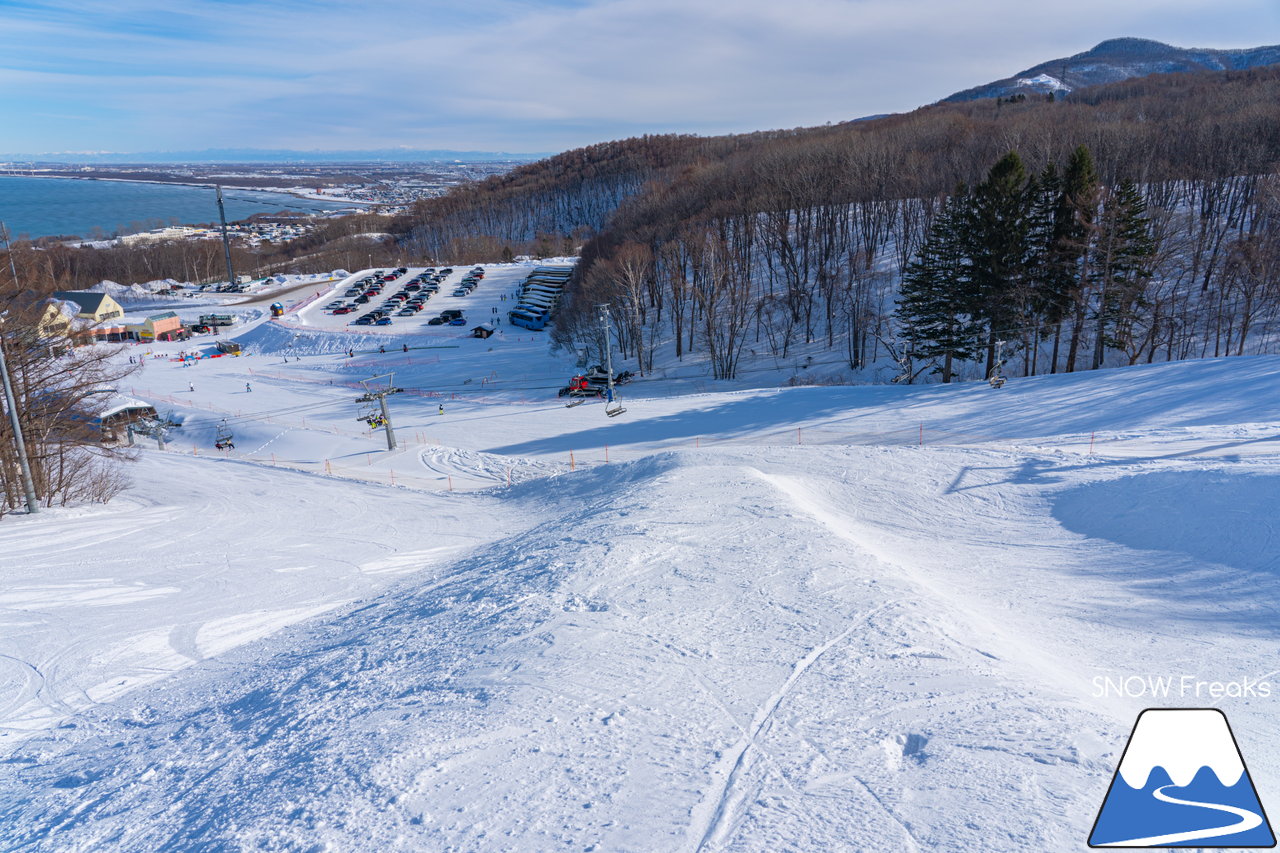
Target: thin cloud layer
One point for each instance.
(522, 76)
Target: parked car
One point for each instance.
(457, 321)
(382, 321)
(364, 321)
(436, 321)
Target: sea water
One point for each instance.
(44, 207)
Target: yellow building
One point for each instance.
(55, 322)
(96, 307)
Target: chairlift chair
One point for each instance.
(613, 407)
(223, 439)
(370, 413)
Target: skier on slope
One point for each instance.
(248, 388)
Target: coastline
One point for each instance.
(263, 198)
(200, 184)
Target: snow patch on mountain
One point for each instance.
(1044, 83)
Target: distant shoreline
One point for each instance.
(178, 183)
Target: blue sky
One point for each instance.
(513, 75)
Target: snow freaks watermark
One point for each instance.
(1180, 686)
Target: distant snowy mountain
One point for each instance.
(1118, 59)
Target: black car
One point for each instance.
(436, 321)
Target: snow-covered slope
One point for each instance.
(1119, 59)
(773, 620)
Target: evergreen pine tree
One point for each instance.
(1125, 249)
(998, 223)
(1073, 237)
(1042, 303)
(936, 308)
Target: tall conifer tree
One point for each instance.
(936, 305)
(999, 219)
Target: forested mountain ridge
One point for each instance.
(1114, 60)
(801, 239)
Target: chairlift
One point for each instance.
(370, 414)
(997, 379)
(613, 407)
(223, 437)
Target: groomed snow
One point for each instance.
(802, 619)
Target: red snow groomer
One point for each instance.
(581, 386)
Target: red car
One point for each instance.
(345, 309)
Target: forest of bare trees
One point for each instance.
(1162, 250)
(712, 247)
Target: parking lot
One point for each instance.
(417, 300)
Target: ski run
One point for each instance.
(758, 619)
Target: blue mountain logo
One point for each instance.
(1182, 783)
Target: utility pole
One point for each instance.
(24, 464)
(226, 241)
(381, 396)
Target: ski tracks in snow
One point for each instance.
(717, 812)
